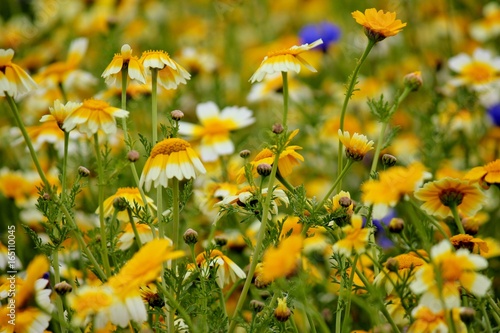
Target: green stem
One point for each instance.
(175, 212)
(457, 219)
(340, 300)
(494, 306)
(154, 105)
(176, 305)
(381, 134)
(486, 318)
(134, 228)
(337, 181)
(260, 238)
(284, 76)
(64, 168)
(57, 279)
(350, 89)
(102, 225)
(349, 291)
(294, 326)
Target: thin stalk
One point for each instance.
(134, 228)
(381, 134)
(340, 300)
(57, 279)
(337, 181)
(182, 312)
(294, 326)
(284, 75)
(350, 89)
(496, 309)
(154, 105)
(486, 318)
(102, 225)
(64, 168)
(258, 246)
(175, 212)
(349, 290)
(457, 219)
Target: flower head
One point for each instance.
(113, 73)
(14, 81)
(428, 320)
(227, 270)
(377, 24)
(478, 71)
(440, 195)
(355, 237)
(59, 112)
(485, 175)
(131, 196)
(328, 32)
(356, 146)
(215, 127)
(170, 73)
(94, 115)
(170, 158)
(399, 269)
(280, 261)
(455, 269)
(285, 60)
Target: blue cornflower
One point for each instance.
(327, 31)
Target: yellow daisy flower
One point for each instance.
(14, 81)
(397, 270)
(440, 195)
(286, 60)
(132, 197)
(474, 245)
(94, 115)
(280, 261)
(91, 302)
(355, 237)
(485, 175)
(113, 72)
(170, 73)
(227, 270)
(170, 158)
(456, 269)
(478, 71)
(377, 24)
(127, 237)
(59, 112)
(282, 312)
(215, 127)
(356, 146)
(427, 321)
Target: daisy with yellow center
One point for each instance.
(14, 81)
(170, 73)
(170, 158)
(428, 321)
(442, 195)
(131, 196)
(334, 204)
(227, 270)
(94, 115)
(287, 160)
(59, 112)
(478, 71)
(474, 245)
(215, 127)
(377, 24)
(286, 60)
(127, 238)
(124, 60)
(455, 269)
(392, 185)
(91, 304)
(485, 175)
(280, 261)
(356, 146)
(489, 26)
(354, 237)
(397, 270)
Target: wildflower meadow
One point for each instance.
(249, 166)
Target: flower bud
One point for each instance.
(220, 240)
(396, 225)
(389, 160)
(277, 128)
(120, 204)
(413, 80)
(257, 306)
(282, 312)
(46, 196)
(345, 202)
(245, 153)
(177, 115)
(62, 288)
(392, 265)
(190, 236)
(133, 156)
(467, 315)
(264, 169)
(83, 171)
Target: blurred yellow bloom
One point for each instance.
(170, 158)
(438, 196)
(227, 270)
(286, 60)
(127, 237)
(170, 73)
(94, 115)
(59, 112)
(478, 71)
(113, 73)
(397, 270)
(377, 24)
(132, 197)
(485, 175)
(429, 321)
(354, 237)
(356, 146)
(14, 81)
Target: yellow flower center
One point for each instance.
(478, 72)
(407, 261)
(95, 105)
(169, 146)
(94, 301)
(284, 52)
(127, 190)
(214, 126)
(451, 269)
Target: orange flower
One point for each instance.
(14, 81)
(378, 25)
(113, 73)
(356, 146)
(485, 175)
(355, 237)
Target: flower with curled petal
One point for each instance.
(377, 24)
